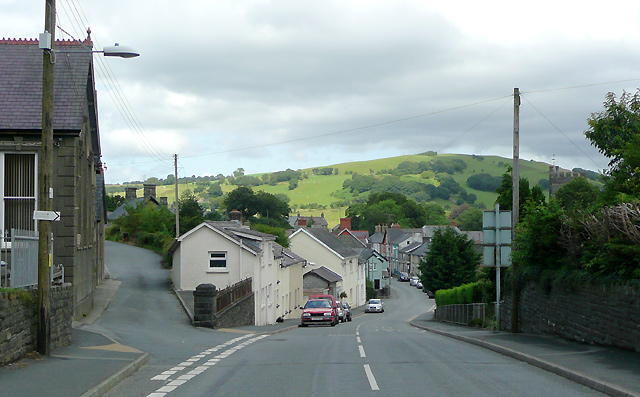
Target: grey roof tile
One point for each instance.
(21, 85)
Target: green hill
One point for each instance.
(320, 190)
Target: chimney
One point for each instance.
(345, 223)
(164, 201)
(149, 190)
(130, 193)
(235, 215)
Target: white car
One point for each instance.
(413, 281)
(374, 306)
(341, 316)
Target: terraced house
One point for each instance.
(78, 183)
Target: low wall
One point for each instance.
(603, 315)
(18, 321)
(237, 314)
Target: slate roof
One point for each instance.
(122, 210)
(325, 274)
(332, 242)
(428, 231)
(409, 248)
(377, 238)
(21, 85)
(368, 253)
(288, 257)
(421, 250)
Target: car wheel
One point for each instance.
(303, 325)
(333, 324)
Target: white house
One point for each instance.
(321, 248)
(289, 285)
(224, 253)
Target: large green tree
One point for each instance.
(452, 260)
(616, 133)
(386, 208)
(527, 194)
(261, 207)
(579, 194)
(191, 212)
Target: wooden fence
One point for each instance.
(232, 294)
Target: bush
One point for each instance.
(466, 293)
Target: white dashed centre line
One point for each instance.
(361, 351)
(372, 379)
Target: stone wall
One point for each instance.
(237, 314)
(18, 321)
(603, 315)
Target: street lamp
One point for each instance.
(45, 171)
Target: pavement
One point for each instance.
(609, 370)
(95, 363)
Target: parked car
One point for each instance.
(340, 310)
(327, 297)
(413, 280)
(419, 284)
(347, 311)
(319, 311)
(374, 306)
(403, 277)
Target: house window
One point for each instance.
(18, 194)
(217, 260)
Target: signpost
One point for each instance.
(496, 225)
(46, 216)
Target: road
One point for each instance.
(373, 354)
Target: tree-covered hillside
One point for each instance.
(445, 179)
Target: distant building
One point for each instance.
(559, 176)
(298, 221)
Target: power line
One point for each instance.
(348, 130)
(562, 132)
(115, 92)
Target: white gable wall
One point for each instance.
(191, 268)
(352, 274)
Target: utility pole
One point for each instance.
(45, 193)
(515, 289)
(175, 166)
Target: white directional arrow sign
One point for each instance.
(46, 215)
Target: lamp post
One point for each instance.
(45, 172)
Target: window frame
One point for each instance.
(211, 260)
(3, 188)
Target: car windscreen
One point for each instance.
(374, 302)
(314, 304)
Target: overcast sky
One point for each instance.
(270, 85)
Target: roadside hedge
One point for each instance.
(466, 293)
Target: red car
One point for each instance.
(319, 311)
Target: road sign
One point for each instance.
(46, 215)
(496, 226)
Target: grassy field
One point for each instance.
(315, 193)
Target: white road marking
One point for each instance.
(182, 379)
(358, 338)
(361, 351)
(372, 379)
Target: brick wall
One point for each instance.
(18, 322)
(603, 315)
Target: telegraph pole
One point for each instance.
(45, 193)
(175, 165)
(515, 289)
